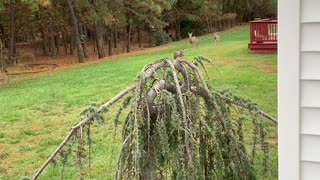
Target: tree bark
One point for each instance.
(76, 32)
(115, 39)
(2, 62)
(57, 43)
(12, 30)
(94, 40)
(128, 27)
(1, 33)
(44, 44)
(100, 40)
(65, 43)
(52, 43)
(178, 33)
(139, 35)
(109, 43)
(83, 41)
(128, 35)
(71, 44)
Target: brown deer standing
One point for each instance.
(193, 40)
(216, 38)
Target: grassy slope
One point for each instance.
(36, 112)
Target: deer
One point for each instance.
(178, 54)
(193, 40)
(216, 37)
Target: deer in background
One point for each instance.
(193, 40)
(216, 37)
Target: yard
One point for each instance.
(38, 110)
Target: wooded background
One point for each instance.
(65, 27)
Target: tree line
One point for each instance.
(64, 26)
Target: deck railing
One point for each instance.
(263, 31)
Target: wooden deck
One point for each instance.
(264, 36)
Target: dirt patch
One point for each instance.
(264, 66)
(30, 68)
(8, 166)
(46, 63)
(269, 68)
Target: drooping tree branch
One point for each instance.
(179, 88)
(149, 72)
(183, 109)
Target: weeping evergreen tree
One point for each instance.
(177, 128)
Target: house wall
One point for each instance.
(299, 89)
(310, 90)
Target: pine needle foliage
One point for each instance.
(177, 128)
(158, 144)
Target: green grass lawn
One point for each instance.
(37, 111)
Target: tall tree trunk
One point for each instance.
(128, 36)
(57, 43)
(44, 44)
(41, 29)
(115, 39)
(178, 33)
(83, 41)
(2, 33)
(139, 35)
(65, 43)
(71, 44)
(94, 41)
(1, 55)
(76, 32)
(109, 43)
(128, 26)
(12, 31)
(52, 43)
(100, 39)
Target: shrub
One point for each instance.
(161, 38)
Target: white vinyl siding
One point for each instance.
(310, 171)
(310, 11)
(310, 63)
(310, 123)
(310, 39)
(310, 90)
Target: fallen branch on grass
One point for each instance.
(176, 96)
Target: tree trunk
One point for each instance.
(52, 43)
(83, 41)
(115, 39)
(2, 33)
(109, 43)
(100, 40)
(208, 25)
(2, 62)
(44, 44)
(12, 31)
(71, 44)
(128, 36)
(57, 43)
(139, 35)
(76, 32)
(94, 40)
(128, 27)
(65, 43)
(43, 36)
(178, 33)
